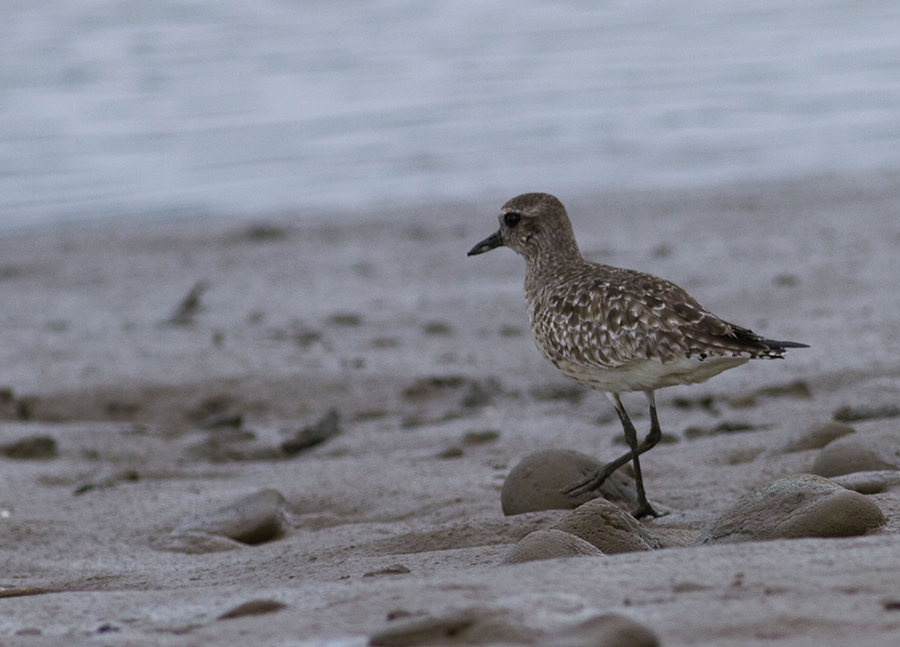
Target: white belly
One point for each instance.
(648, 374)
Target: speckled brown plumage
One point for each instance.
(613, 329)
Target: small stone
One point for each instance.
(480, 437)
(106, 479)
(189, 306)
(608, 528)
(451, 452)
(217, 420)
(557, 621)
(31, 448)
(535, 483)
(254, 519)
(437, 328)
(891, 603)
(393, 569)
(869, 482)
(263, 232)
(345, 319)
(607, 630)
(817, 437)
(253, 608)
(802, 505)
(196, 543)
(327, 427)
(852, 414)
(550, 544)
(858, 453)
(430, 630)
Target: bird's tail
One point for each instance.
(782, 346)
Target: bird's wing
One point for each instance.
(614, 323)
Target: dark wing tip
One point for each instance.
(781, 345)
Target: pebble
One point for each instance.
(325, 428)
(393, 569)
(850, 414)
(858, 453)
(869, 482)
(817, 437)
(253, 608)
(607, 630)
(800, 505)
(609, 528)
(535, 483)
(106, 479)
(251, 520)
(31, 448)
(550, 544)
(480, 437)
(548, 620)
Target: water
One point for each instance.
(228, 106)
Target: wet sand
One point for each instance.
(156, 419)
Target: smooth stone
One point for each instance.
(607, 630)
(545, 620)
(535, 483)
(608, 528)
(196, 543)
(106, 479)
(252, 519)
(801, 505)
(858, 453)
(31, 448)
(550, 544)
(393, 569)
(817, 437)
(869, 482)
(325, 428)
(253, 608)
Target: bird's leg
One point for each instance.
(655, 434)
(644, 508)
(595, 479)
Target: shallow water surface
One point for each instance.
(182, 106)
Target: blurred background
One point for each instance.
(129, 107)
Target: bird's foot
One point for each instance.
(647, 510)
(590, 482)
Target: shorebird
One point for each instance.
(615, 330)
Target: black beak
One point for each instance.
(486, 245)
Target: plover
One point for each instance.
(615, 330)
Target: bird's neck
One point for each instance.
(550, 265)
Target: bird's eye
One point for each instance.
(511, 219)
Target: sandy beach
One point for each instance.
(127, 417)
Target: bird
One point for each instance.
(615, 330)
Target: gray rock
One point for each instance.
(869, 482)
(817, 437)
(254, 519)
(858, 453)
(608, 528)
(196, 543)
(544, 621)
(106, 479)
(801, 505)
(327, 427)
(549, 544)
(864, 412)
(607, 630)
(535, 483)
(31, 448)
(253, 608)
